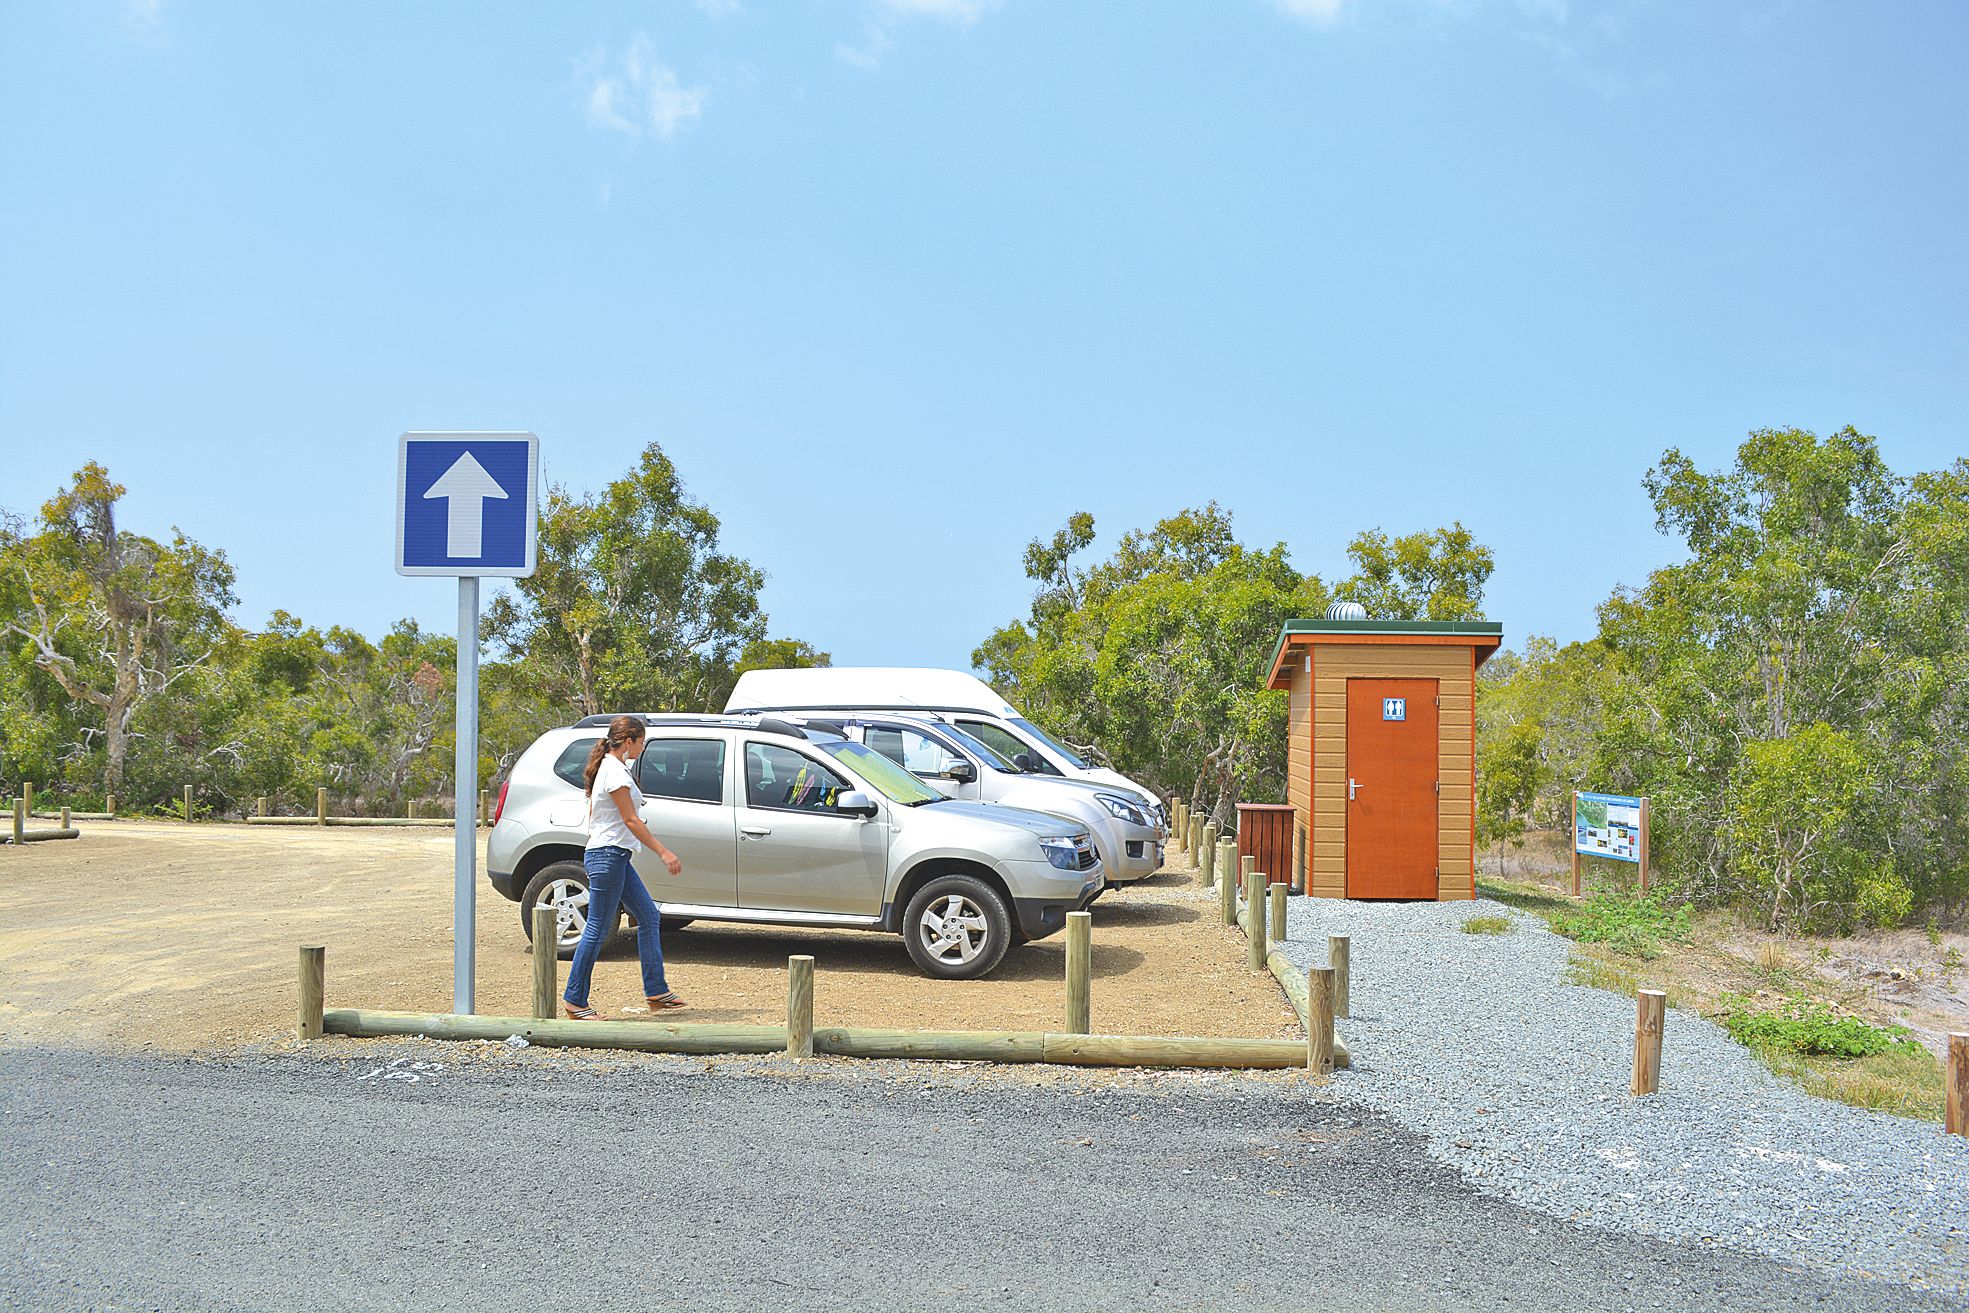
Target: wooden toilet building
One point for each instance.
(1381, 762)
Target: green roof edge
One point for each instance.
(1466, 628)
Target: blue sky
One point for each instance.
(901, 284)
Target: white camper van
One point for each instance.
(963, 699)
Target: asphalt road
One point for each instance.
(519, 1181)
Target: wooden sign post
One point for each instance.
(1572, 842)
(1641, 846)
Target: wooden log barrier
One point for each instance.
(313, 983)
(800, 1006)
(1339, 951)
(1293, 981)
(1275, 920)
(546, 961)
(1080, 950)
(944, 1046)
(1257, 941)
(1955, 1114)
(1319, 1021)
(1650, 1007)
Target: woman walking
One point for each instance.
(615, 832)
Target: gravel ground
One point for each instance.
(1519, 1081)
(430, 1177)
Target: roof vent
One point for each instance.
(1346, 611)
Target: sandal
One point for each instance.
(582, 1013)
(665, 1002)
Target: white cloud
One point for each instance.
(1322, 13)
(885, 16)
(638, 93)
(144, 19)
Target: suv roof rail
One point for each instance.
(765, 724)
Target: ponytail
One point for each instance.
(621, 730)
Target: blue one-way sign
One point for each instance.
(465, 503)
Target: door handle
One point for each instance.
(1351, 786)
(754, 831)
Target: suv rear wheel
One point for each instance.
(957, 927)
(563, 886)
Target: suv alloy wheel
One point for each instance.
(957, 927)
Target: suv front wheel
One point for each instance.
(563, 886)
(957, 927)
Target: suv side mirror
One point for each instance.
(855, 803)
(959, 771)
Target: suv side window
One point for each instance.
(690, 770)
(574, 759)
(1007, 744)
(784, 780)
(919, 755)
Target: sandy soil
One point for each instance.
(152, 935)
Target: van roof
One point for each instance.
(867, 688)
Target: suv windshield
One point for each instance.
(1066, 754)
(878, 770)
(992, 756)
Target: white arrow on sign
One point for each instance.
(466, 485)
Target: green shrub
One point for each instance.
(1487, 925)
(1812, 1028)
(1629, 924)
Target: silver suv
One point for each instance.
(783, 823)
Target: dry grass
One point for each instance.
(1909, 1084)
(1487, 925)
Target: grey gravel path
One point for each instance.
(1519, 1081)
(314, 1182)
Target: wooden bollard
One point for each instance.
(20, 821)
(187, 804)
(800, 1006)
(482, 812)
(321, 806)
(546, 960)
(260, 805)
(1227, 886)
(1298, 859)
(1080, 955)
(109, 804)
(1319, 1021)
(1650, 1007)
(27, 796)
(1257, 940)
(65, 818)
(410, 810)
(1210, 853)
(314, 980)
(1337, 951)
(1275, 921)
(1955, 1114)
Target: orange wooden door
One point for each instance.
(1392, 759)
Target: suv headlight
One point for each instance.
(1062, 851)
(1122, 808)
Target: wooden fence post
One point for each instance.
(314, 980)
(1650, 1006)
(66, 818)
(410, 809)
(800, 1006)
(483, 814)
(260, 805)
(1337, 950)
(1955, 1114)
(1572, 842)
(1227, 882)
(1641, 843)
(109, 805)
(27, 795)
(1298, 858)
(1275, 921)
(187, 804)
(20, 821)
(1319, 1021)
(1257, 940)
(321, 806)
(1080, 952)
(1210, 853)
(546, 960)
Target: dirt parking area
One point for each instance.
(183, 938)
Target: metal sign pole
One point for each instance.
(464, 906)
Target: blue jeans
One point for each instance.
(612, 885)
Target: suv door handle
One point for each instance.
(754, 831)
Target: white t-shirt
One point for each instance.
(605, 825)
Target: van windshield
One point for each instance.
(1066, 754)
(897, 783)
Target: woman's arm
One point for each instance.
(623, 805)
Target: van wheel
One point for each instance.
(957, 927)
(562, 886)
